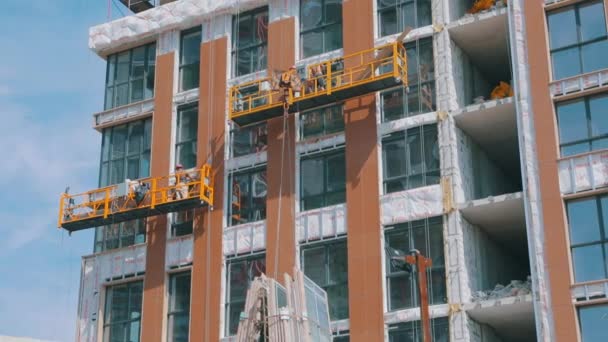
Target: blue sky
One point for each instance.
(50, 85)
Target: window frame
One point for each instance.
(179, 158)
(325, 156)
(435, 223)
(579, 43)
(322, 28)
(580, 318)
(193, 31)
(417, 84)
(416, 327)
(257, 142)
(149, 50)
(327, 245)
(589, 120)
(107, 312)
(323, 113)
(425, 173)
(397, 7)
(249, 259)
(252, 208)
(261, 46)
(602, 242)
(171, 312)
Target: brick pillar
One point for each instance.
(280, 235)
(362, 192)
(154, 281)
(207, 261)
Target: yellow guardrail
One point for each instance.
(323, 78)
(145, 193)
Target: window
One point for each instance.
(342, 336)
(122, 313)
(583, 125)
(412, 331)
(189, 58)
(178, 317)
(593, 322)
(322, 121)
(327, 265)
(322, 180)
(182, 223)
(130, 76)
(395, 15)
(250, 41)
(240, 273)
(420, 98)
(249, 140)
(410, 159)
(427, 237)
(578, 39)
(248, 197)
(125, 153)
(320, 26)
(587, 221)
(185, 142)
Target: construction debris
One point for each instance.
(515, 288)
(484, 5)
(501, 91)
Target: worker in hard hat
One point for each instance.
(180, 180)
(288, 80)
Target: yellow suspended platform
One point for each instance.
(136, 199)
(327, 82)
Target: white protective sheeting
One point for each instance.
(590, 291)
(413, 314)
(247, 161)
(129, 112)
(579, 83)
(179, 251)
(411, 205)
(175, 15)
(245, 238)
(407, 122)
(585, 172)
(321, 223)
(99, 269)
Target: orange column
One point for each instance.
(280, 232)
(556, 246)
(362, 194)
(207, 264)
(154, 281)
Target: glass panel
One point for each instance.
(122, 67)
(424, 13)
(312, 44)
(311, 14)
(190, 76)
(312, 124)
(598, 108)
(431, 149)
(186, 154)
(402, 291)
(338, 263)
(593, 322)
(119, 139)
(243, 59)
(333, 38)
(181, 293)
(244, 31)
(109, 100)
(138, 62)
(191, 43)
(566, 63)
(137, 90)
(583, 221)
(314, 265)
(106, 143)
(406, 16)
(594, 56)
(135, 294)
(394, 158)
(133, 168)
(334, 120)
(333, 11)
(119, 304)
(593, 24)
(147, 134)
(562, 28)
(572, 119)
(588, 263)
(103, 174)
(337, 297)
(575, 149)
(110, 70)
(122, 95)
(388, 21)
(414, 152)
(180, 327)
(261, 27)
(336, 173)
(599, 144)
(136, 133)
(188, 124)
(117, 171)
(144, 166)
(149, 91)
(312, 172)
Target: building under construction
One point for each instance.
(254, 139)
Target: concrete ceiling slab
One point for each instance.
(512, 321)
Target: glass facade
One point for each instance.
(412, 331)
(248, 140)
(327, 265)
(130, 76)
(578, 39)
(122, 312)
(322, 180)
(248, 191)
(320, 122)
(240, 273)
(186, 138)
(320, 26)
(189, 58)
(394, 16)
(592, 320)
(178, 317)
(583, 124)
(250, 41)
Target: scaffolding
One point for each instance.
(134, 199)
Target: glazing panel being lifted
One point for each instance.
(134, 199)
(327, 82)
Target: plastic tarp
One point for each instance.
(97, 270)
(179, 251)
(175, 15)
(245, 238)
(411, 205)
(586, 172)
(123, 113)
(579, 83)
(321, 223)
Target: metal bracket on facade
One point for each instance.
(442, 115)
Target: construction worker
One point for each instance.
(180, 180)
(288, 80)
